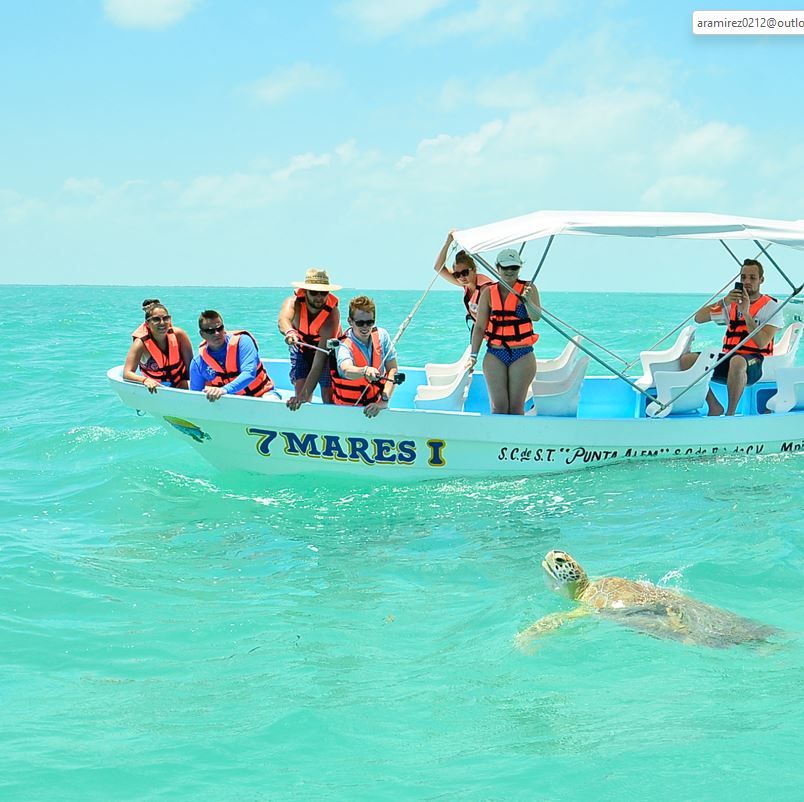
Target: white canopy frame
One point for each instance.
(633, 224)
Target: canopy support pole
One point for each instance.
(400, 331)
(683, 322)
(554, 316)
(733, 256)
(796, 290)
(544, 256)
(692, 315)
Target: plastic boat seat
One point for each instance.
(668, 359)
(559, 367)
(790, 393)
(552, 369)
(445, 397)
(670, 383)
(559, 398)
(438, 373)
(784, 352)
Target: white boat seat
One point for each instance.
(559, 367)
(668, 359)
(790, 393)
(670, 383)
(559, 398)
(784, 352)
(445, 397)
(552, 369)
(438, 373)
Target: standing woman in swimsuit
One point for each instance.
(464, 275)
(507, 325)
(161, 351)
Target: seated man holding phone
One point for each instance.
(743, 310)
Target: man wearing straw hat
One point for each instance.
(307, 319)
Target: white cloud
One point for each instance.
(152, 15)
(491, 18)
(683, 192)
(83, 187)
(457, 150)
(227, 191)
(514, 91)
(380, 18)
(347, 151)
(307, 161)
(15, 209)
(243, 190)
(714, 142)
(286, 81)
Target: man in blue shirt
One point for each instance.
(366, 355)
(227, 364)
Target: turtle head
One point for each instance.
(564, 573)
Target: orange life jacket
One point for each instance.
(737, 329)
(350, 391)
(506, 329)
(310, 331)
(471, 297)
(170, 366)
(229, 371)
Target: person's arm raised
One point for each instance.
(440, 265)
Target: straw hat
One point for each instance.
(315, 279)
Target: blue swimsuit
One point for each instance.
(510, 355)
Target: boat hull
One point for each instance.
(263, 436)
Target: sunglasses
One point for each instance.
(462, 273)
(159, 318)
(316, 292)
(363, 323)
(508, 267)
(214, 330)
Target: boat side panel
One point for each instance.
(263, 436)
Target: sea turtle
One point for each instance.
(660, 612)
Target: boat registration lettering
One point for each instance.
(566, 455)
(519, 454)
(370, 451)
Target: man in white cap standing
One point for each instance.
(307, 319)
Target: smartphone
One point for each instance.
(738, 285)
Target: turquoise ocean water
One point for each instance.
(168, 632)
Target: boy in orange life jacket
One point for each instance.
(227, 363)
(741, 311)
(365, 355)
(310, 317)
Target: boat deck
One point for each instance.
(602, 397)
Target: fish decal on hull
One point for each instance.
(190, 429)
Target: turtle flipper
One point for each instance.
(524, 640)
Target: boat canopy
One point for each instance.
(689, 225)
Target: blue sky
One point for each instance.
(236, 142)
